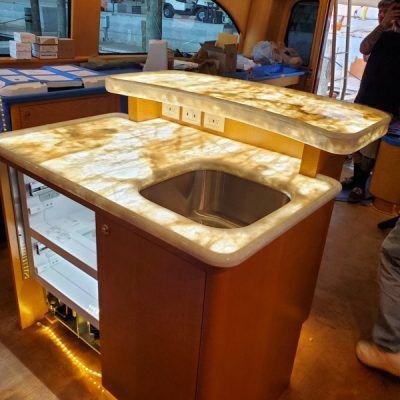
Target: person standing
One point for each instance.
(383, 352)
(379, 88)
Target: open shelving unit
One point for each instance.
(61, 243)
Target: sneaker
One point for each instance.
(372, 356)
(356, 195)
(348, 183)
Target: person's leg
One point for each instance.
(384, 351)
(362, 170)
(350, 182)
(386, 332)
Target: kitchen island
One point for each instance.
(189, 233)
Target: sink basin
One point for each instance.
(216, 198)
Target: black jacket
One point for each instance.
(380, 84)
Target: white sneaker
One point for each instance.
(370, 354)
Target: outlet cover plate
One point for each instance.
(191, 116)
(171, 111)
(214, 122)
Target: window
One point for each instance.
(300, 32)
(51, 19)
(124, 25)
(363, 20)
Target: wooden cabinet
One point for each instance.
(175, 328)
(151, 304)
(27, 115)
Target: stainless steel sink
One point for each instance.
(216, 198)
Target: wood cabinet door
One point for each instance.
(27, 115)
(151, 305)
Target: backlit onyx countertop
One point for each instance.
(107, 160)
(335, 126)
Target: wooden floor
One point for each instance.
(33, 367)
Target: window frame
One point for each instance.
(296, 4)
(235, 25)
(68, 30)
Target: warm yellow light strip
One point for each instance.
(70, 355)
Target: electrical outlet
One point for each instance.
(214, 122)
(191, 116)
(48, 204)
(35, 209)
(171, 111)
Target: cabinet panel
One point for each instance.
(151, 305)
(27, 115)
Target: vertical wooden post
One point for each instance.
(154, 14)
(143, 110)
(315, 161)
(30, 297)
(61, 18)
(36, 25)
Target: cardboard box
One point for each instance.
(46, 40)
(44, 48)
(24, 37)
(66, 48)
(45, 51)
(226, 56)
(20, 51)
(21, 55)
(17, 46)
(44, 56)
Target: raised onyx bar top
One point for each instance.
(107, 160)
(334, 126)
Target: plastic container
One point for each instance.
(386, 177)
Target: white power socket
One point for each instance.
(214, 122)
(191, 116)
(171, 111)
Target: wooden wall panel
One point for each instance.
(238, 10)
(85, 26)
(257, 24)
(254, 313)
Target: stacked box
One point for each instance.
(21, 46)
(66, 48)
(20, 51)
(24, 37)
(46, 47)
(226, 56)
(44, 51)
(47, 40)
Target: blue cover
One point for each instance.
(85, 75)
(74, 70)
(393, 135)
(273, 71)
(243, 75)
(14, 77)
(52, 78)
(266, 72)
(6, 102)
